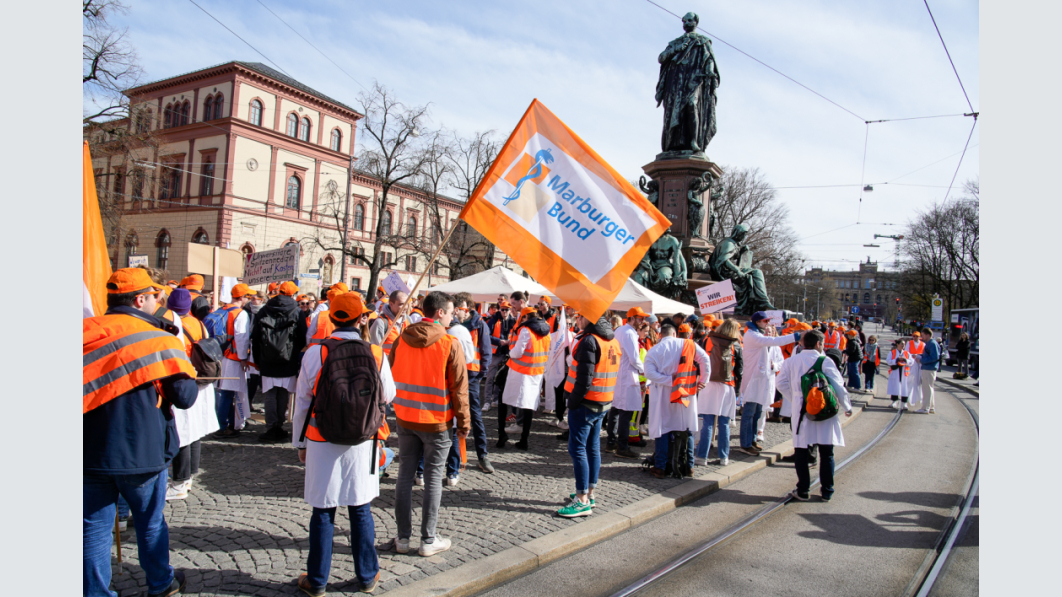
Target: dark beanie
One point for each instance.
(179, 301)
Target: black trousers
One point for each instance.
(528, 415)
(186, 462)
(562, 404)
(803, 470)
(619, 427)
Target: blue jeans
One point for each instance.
(362, 544)
(584, 446)
(146, 494)
(660, 446)
(223, 407)
(750, 419)
(853, 375)
(707, 426)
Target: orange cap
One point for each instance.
(548, 300)
(242, 290)
(348, 306)
(272, 288)
(174, 282)
(381, 289)
(192, 282)
(528, 311)
(504, 304)
(288, 289)
(132, 279)
(917, 334)
(852, 333)
(636, 312)
(791, 321)
(335, 292)
(831, 324)
(341, 286)
(684, 328)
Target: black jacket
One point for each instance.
(475, 323)
(507, 324)
(587, 354)
(853, 351)
(282, 308)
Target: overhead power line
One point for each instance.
(240, 38)
(955, 70)
(959, 165)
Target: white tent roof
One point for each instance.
(487, 285)
(636, 295)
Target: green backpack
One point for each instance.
(820, 403)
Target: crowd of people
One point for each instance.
(163, 371)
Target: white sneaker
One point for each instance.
(896, 405)
(903, 406)
(724, 462)
(922, 411)
(759, 437)
(698, 461)
(452, 481)
(603, 433)
(418, 481)
(429, 549)
(123, 523)
(644, 430)
(551, 421)
(513, 430)
(401, 545)
(562, 425)
(177, 491)
(487, 406)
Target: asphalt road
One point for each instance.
(886, 515)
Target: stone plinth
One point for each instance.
(674, 177)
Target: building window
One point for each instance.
(411, 263)
(208, 108)
(359, 217)
(337, 139)
(326, 270)
(294, 192)
(171, 184)
(436, 234)
(118, 182)
(131, 243)
(138, 184)
(186, 109)
(386, 221)
(304, 130)
(247, 250)
(256, 113)
(386, 259)
(356, 252)
(167, 118)
(411, 227)
(142, 122)
(866, 298)
(437, 268)
(200, 237)
(878, 299)
(219, 106)
(162, 249)
(293, 125)
(356, 283)
(206, 180)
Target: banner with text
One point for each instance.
(277, 265)
(394, 282)
(716, 297)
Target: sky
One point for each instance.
(594, 64)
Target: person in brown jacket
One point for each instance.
(431, 383)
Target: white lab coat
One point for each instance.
(899, 384)
(661, 364)
(758, 373)
(628, 394)
(825, 433)
(556, 364)
(521, 390)
(201, 419)
(335, 475)
(465, 339)
(241, 328)
(914, 381)
(717, 398)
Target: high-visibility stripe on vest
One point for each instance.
(311, 428)
(396, 331)
(606, 370)
(325, 327)
(122, 353)
(536, 353)
(833, 340)
(684, 381)
(473, 365)
(906, 356)
(422, 394)
(230, 329)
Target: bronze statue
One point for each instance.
(687, 87)
(695, 206)
(651, 189)
(668, 266)
(732, 260)
(713, 197)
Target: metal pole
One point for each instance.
(346, 215)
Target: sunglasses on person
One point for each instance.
(506, 310)
(304, 304)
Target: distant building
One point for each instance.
(252, 160)
(866, 292)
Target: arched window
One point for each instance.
(167, 119)
(186, 109)
(411, 227)
(293, 194)
(162, 249)
(326, 270)
(337, 139)
(386, 217)
(208, 108)
(247, 249)
(304, 130)
(293, 125)
(866, 298)
(219, 106)
(131, 244)
(359, 217)
(206, 180)
(256, 113)
(200, 237)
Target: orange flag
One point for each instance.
(563, 214)
(97, 264)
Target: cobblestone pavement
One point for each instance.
(244, 528)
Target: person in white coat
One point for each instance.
(662, 364)
(758, 376)
(338, 475)
(560, 345)
(232, 392)
(627, 399)
(899, 361)
(824, 434)
(527, 367)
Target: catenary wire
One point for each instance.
(959, 165)
(240, 38)
(955, 70)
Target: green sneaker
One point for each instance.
(593, 502)
(575, 509)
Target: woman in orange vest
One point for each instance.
(871, 362)
(528, 354)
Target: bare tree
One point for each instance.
(109, 62)
(470, 159)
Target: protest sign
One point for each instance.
(716, 297)
(394, 282)
(138, 260)
(276, 265)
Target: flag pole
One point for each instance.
(413, 291)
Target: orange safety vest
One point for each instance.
(684, 381)
(420, 380)
(122, 353)
(473, 365)
(536, 353)
(833, 340)
(396, 331)
(915, 348)
(325, 327)
(230, 329)
(877, 357)
(907, 356)
(194, 334)
(311, 428)
(606, 371)
(497, 334)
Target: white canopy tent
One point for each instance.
(636, 295)
(487, 285)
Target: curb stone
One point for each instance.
(493, 570)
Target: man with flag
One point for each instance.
(135, 370)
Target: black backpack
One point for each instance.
(347, 404)
(274, 339)
(206, 355)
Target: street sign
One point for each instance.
(138, 260)
(938, 309)
(311, 276)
